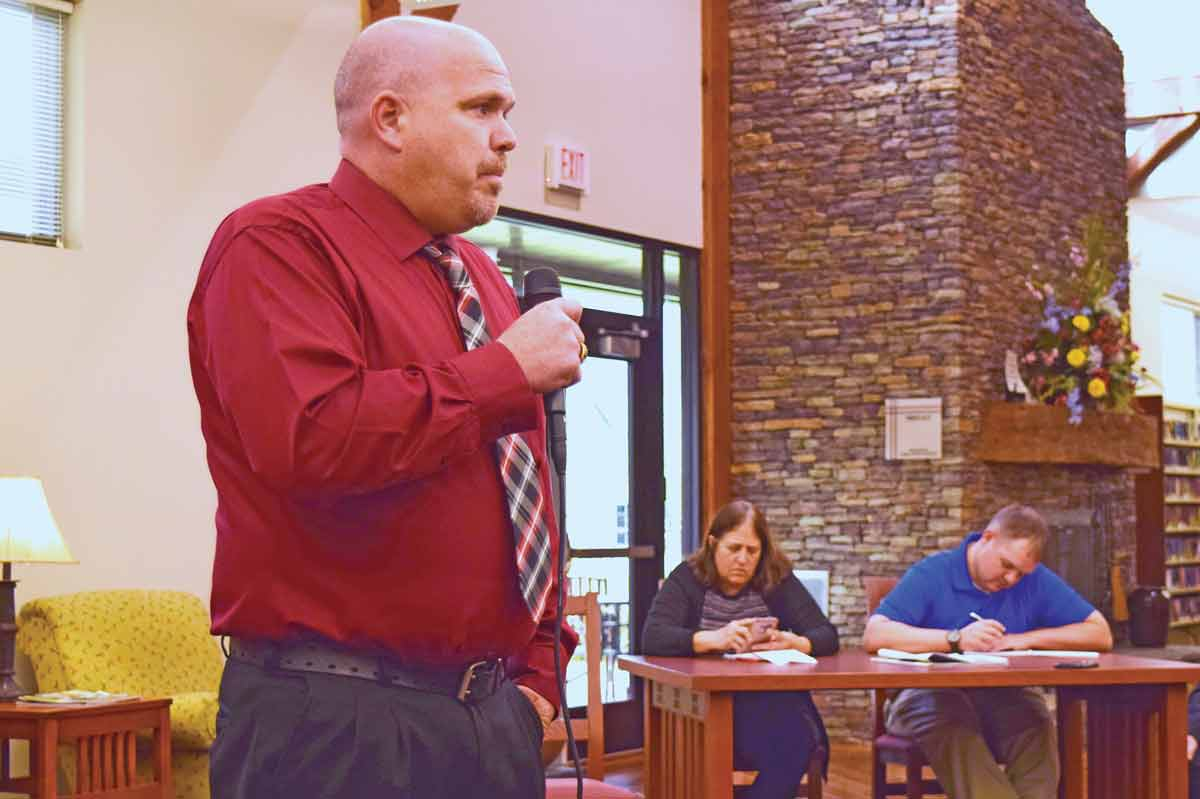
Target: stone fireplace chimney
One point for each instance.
(899, 167)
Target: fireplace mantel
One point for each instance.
(1021, 433)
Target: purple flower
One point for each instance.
(1076, 256)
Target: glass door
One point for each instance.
(615, 500)
(629, 499)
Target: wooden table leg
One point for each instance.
(688, 744)
(1125, 736)
(652, 743)
(718, 747)
(42, 757)
(162, 753)
(1172, 743)
(1069, 708)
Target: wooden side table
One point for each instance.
(106, 754)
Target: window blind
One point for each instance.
(31, 106)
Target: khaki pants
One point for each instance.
(964, 732)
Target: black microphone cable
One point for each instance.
(538, 286)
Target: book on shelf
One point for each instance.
(75, 696)
(925, 658)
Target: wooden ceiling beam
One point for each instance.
(1165, 138)
(375, 10)
(716, 371)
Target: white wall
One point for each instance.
(620, 79)
(1164, 243)
(1156, 38)
(182, 111)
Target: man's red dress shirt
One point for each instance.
(351, 439)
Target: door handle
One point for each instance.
(623, 344)
(639, 552)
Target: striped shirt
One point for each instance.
(719, 610)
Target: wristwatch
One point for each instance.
(952, 638)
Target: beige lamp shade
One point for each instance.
(28, 533)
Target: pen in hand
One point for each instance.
(992, 636)
(977, 617)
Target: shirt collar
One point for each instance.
(960, 575)
(382, 212)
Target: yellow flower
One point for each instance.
(1135, 356)
(1077, 357)
(1082, 323)
(1125, 323)
(1097, 388)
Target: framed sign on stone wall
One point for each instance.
(913, 429)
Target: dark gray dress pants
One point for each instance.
(301, 735)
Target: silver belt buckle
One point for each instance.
(464, 687)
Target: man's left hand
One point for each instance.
(544, 709)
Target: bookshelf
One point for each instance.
(1181, 512)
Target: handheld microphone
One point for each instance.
(541, 285)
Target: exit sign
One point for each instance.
(568, 167)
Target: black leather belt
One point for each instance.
(470, 684)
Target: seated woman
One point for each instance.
(709, 604)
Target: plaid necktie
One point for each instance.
(522, 487)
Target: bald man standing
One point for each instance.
(369, 397)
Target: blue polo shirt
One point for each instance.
(937, 593)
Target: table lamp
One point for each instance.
(28, 534)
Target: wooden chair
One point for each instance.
(885, 747)
(590, 729)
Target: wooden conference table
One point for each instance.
(1136, 715)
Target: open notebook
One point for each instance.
(924, 658)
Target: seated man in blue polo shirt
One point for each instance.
(966, 733)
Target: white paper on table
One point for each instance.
(1050, 653)
(779, 657)
(940, 657)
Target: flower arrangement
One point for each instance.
(1081, 355)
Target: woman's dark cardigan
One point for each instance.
(675, 617)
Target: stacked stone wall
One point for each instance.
(885, 213)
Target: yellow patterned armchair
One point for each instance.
(148, 643)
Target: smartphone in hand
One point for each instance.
(761, 628)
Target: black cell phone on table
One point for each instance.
(1077, 664)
